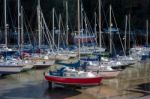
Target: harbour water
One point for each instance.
(132, 83)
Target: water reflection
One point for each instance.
(144, 89)
(24, 91)
(61, 93)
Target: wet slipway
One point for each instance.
(132, 83)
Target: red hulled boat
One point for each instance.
(73, 77)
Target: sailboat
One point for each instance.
(66, 51)
(67, 76)
(103, 68)
(140, 52)
(41, 60)
(63, 54)
(126, 59)
(99, 48)
(57, 54)
(12, 65)
(120, 61)
(4, 47)
(107, 69)
(74, 77)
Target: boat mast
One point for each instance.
(147, 25)
(110, 26)
(19, 23)
(129, 30)
(22, 30)
(53, 20)
(86, 28)
(39, 23)
(59, 30)
(100, 33)
(82, 30)
(5, 21)
(67, 23)
(125, 37)
(95, 28)
(78, 9)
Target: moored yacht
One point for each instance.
(68, 76)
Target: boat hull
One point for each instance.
(120, 67)
(74, 81)
(59, 57)
(10, 69)
(27, 67)
(44, 63)
(104, 72)
(109, 74)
